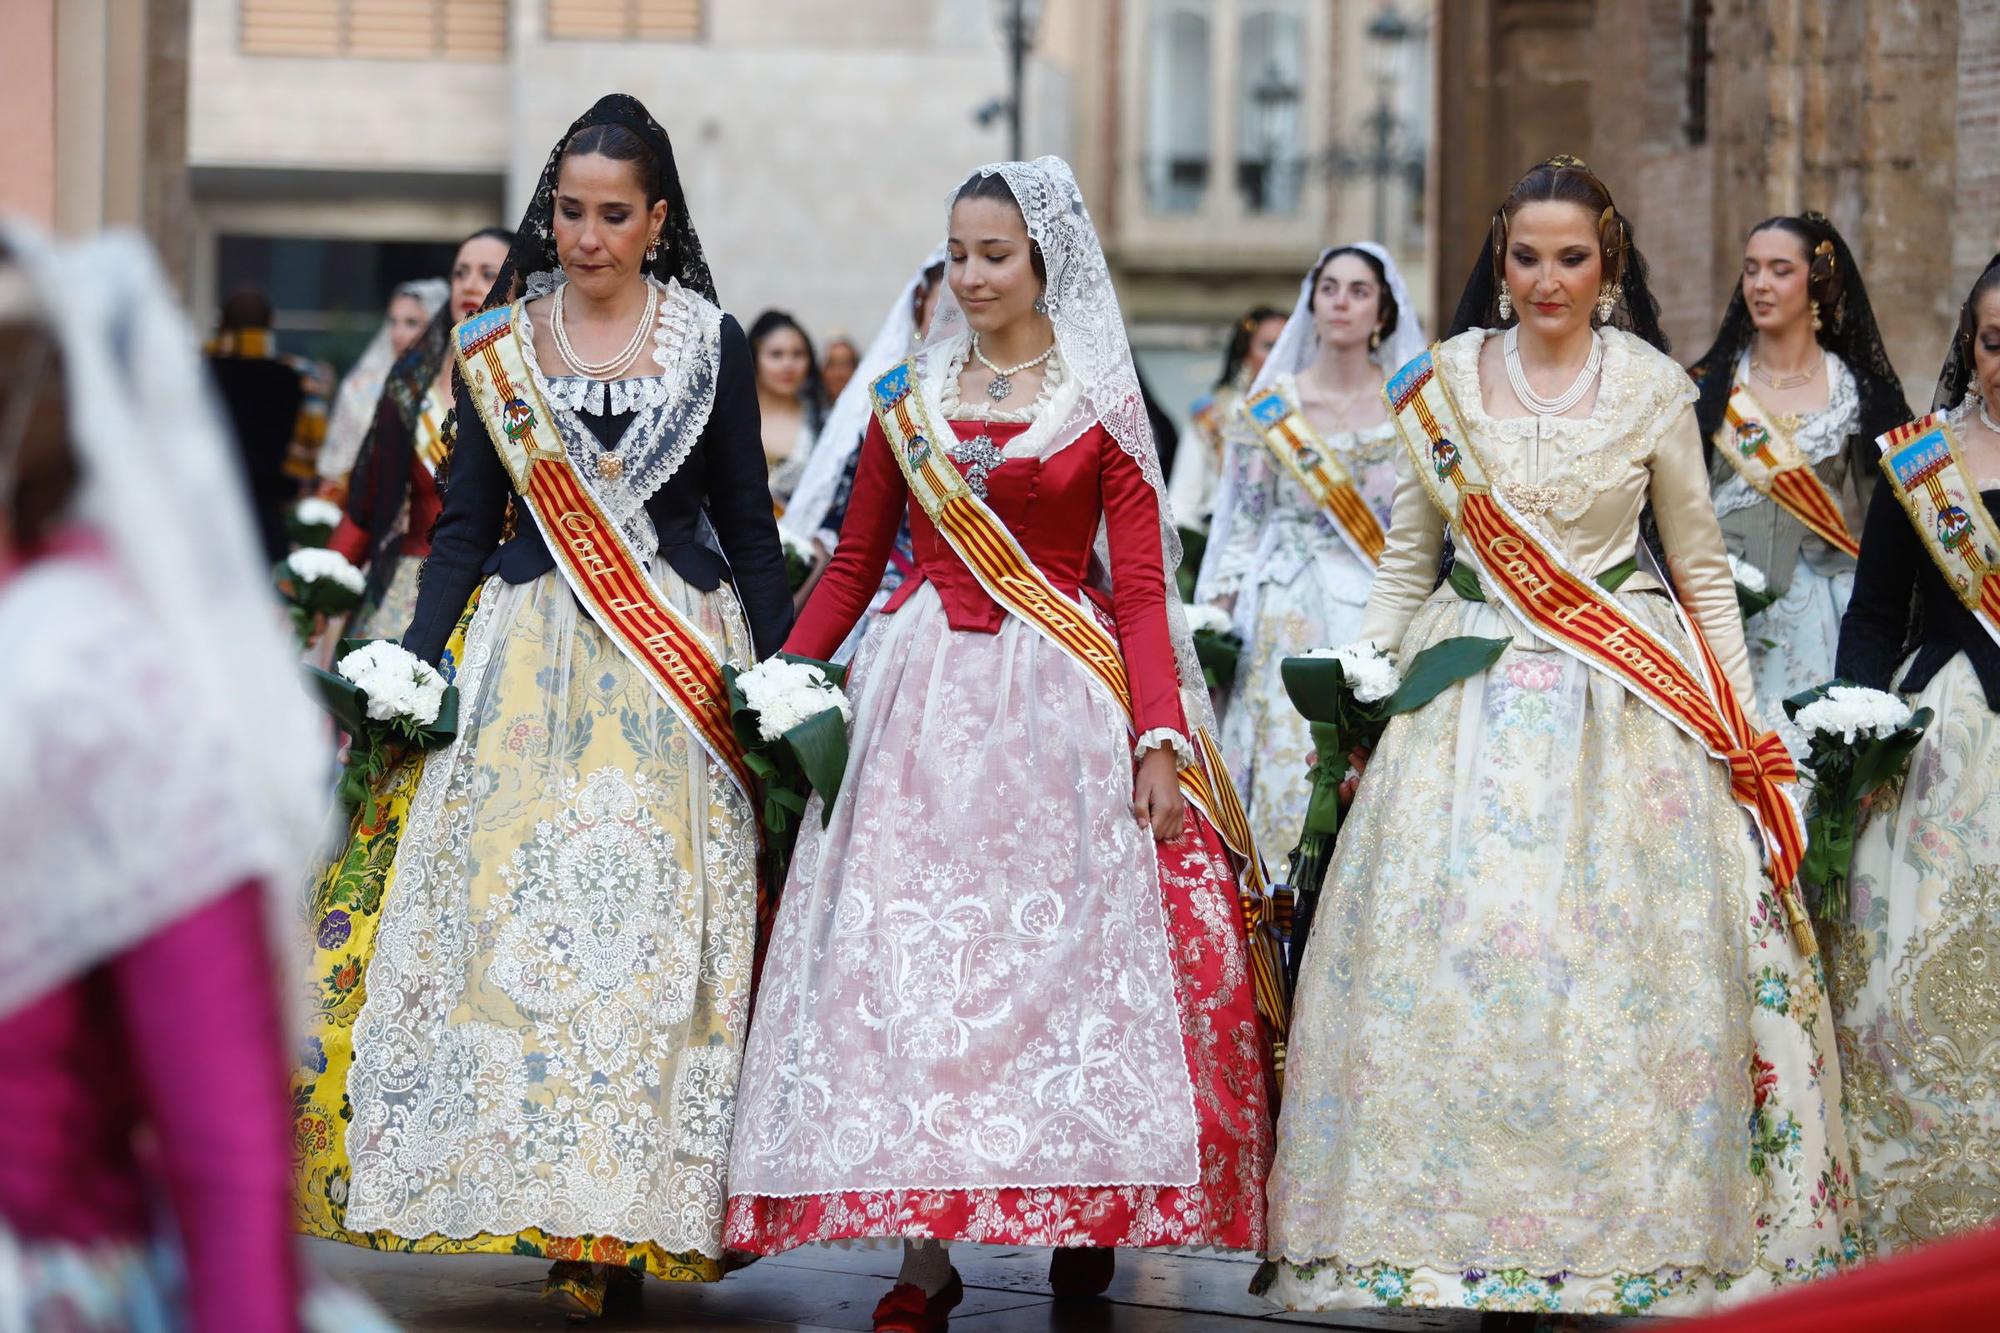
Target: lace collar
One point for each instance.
(1367, 446)
(670, 410)
(1820, 436)
(1641, 392)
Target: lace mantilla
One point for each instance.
(671, 409)
(1821, 436)
(1571, 461)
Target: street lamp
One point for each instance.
(1387, 149)
(1017, 20)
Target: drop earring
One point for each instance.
(1505, 304)
(1374, 340)
(1041, 303)
(1815, 317)
(652, 249)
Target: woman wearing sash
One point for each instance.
(1549, 986)
(393, 497)
(559, 981)
(1197, 473)
(818, 506)
(411, 308)
(1008, 998)
(1794, 391)
(1919, 1054)
(1308, 470)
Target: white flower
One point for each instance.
(1848, 711)
(1747, 575)
(1371, 673)
(315, 512)
(398, 683)
(784, 694)
(1203, 617)
(313, 563)
(797, 546)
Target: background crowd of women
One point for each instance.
(1552, 1048)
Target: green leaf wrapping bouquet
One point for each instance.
(1857, 739)
(311, 521)
(1348, 695)
(1216, 644)
(1753, 589)
(383, 696)
(792, 718)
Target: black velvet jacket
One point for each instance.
(1896, 575)
(723, 475)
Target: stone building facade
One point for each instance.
(1705, 116)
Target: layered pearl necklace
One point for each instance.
(1517, 378)
(1002, 382)
(619, 362)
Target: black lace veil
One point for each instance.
(383, 464)
(1956, 377)
(534, 250)
(1847, 329)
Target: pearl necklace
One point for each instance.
(623, 359)
(1002, 382)
(1517, 378)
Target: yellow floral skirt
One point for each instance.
(555, 728)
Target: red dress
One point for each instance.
(935, 669)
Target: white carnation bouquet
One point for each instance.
(800, 558)
(384, 697)
(318, 582)
(791, 716)
(1857, 739)
(1753, 589)
(312, 521)
(1348, 695)
(1217, 645)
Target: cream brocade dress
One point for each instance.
(1914, 984)
(1553, 1048)
(560, 984)
(1297, 586)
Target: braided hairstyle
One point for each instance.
(1847, 329)
(1564, 179)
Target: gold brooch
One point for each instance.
(610, 466)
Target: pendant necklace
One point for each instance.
(1517, 378)
(1781, 383)
(1002, 383)
(621, 360)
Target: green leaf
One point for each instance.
(1218, 653)
(1317, 687)
(1440, 666)
(341, 698)
(1881, 760)
(820, 742)
(1465, 582)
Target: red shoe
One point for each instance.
(1081, 1273)
(907, 1310)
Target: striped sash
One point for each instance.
(1926, 470)
(431, 446)
(1772, 464)
(592, 553)
(1312, 463)
(1565, 608)
(919, 439)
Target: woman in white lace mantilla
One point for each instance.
(554, 983)
(1798, 348)
(1007, 997)
(1553, 1048)
(1276, 559)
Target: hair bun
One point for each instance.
(1565, 162)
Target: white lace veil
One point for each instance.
(355, 402)
(841, 436)
(184, 757)
(1295, 349)
(1090, 333)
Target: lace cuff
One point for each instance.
(1158, 736)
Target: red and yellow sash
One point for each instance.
(1565, 608)
(431, 446)
(1315, 466)
(919, 438)
(1772, 464)
(593, 555)
(1928, 474)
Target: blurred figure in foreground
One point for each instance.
(160, 771)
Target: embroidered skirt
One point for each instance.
(1913, 981)
(1553, 1048)
(991, 1010)
(388, 618)
(1792, 642)
(532, 971)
